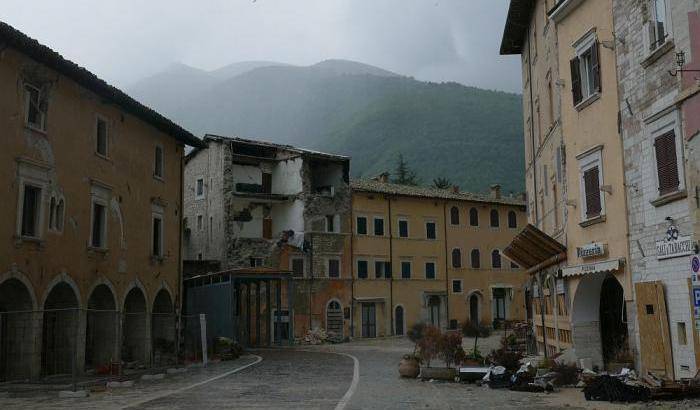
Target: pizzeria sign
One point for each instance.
(674, 245)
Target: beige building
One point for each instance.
(92, 218)
(582, 286)
(431, 255)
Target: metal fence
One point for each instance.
(58, 343)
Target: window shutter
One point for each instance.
(576, 80)
(666, 163)
(595, 66)
(592, 186)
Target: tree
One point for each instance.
(442, 183)
(404, 174)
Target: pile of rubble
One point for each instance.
(320, 336)
(627, 387)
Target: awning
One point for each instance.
(587, 268)
(532, 247)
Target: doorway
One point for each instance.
(434, 310)
(369, 320)
(474, 309)
(613, 330)
(334, 318)
(499, 304)
(398, 320)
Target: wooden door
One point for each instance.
(266, 183)
(398, 321)
(654, 334)
(369, 320)
(267, 228)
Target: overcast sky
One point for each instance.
(126, 40)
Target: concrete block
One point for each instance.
(118, 385)
(148, 377)
(69, 394)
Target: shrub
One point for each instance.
(567, 374)
(450, 348)
(430, 343)
(415, 334)
(503, 357)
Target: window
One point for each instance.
(199, 188)
(456, 286)
(585, 70)
(361, 225)
(298, 267)
(476, 259)
(157, 248)
(382, 269)
(99, 222)
(454, 215)
(473, 217)
(658, 28)
(682, 335)
(199, 256)
(56, 212)
(101, 137)
(333, 268)
(362, 269)
(430, 230)
(667, 163)
(158, 162)
(591, 177)
(405, 270)
(200, 223)
(512, 220)
(403, 228)
(496, 259)
(495, 220)
(31, 210)
(255, 262)
(332, 223)
(35, 107)
(430, 270)
(378, 226)
(456, 258)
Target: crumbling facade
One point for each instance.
(90, 259)
(254, 204)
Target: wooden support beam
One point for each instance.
(268, 302)
(278, 313)
(257, 314)
(247, 313)
(290, 308)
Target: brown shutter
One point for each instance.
(267, 228)
(667, 163)
(595, 66)
(592, 186)
(576, 80)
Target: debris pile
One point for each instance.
(319, 336)
(614, 388)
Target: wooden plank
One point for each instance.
(654, 334)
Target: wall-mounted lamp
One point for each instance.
(680, 62)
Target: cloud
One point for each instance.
(123, 41)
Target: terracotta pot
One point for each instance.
(409, 368)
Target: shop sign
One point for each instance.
(674, 245)
(587, 268)
(591, 250)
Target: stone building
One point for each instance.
(660, 116)
(587, 287)
(252, 204)
(430, 255)
(90, 262)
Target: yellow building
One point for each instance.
(92, 218)
(432, 255)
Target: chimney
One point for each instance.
(383, 177)
(455, 189)
(496, 191)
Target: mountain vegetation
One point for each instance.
(469, 136)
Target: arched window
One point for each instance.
(476, 259)
(454, 215)
(59, 214)
(494, 218)
(512, 219)
(473, 217)
(52, 214)
(456, 258)
(496, 259)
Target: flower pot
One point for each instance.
(438, 373)
(409, 368)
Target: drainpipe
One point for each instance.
(391, 267)
(542, 306)
(352, 266)
(181, 296)
(532, 127)
(447, 269)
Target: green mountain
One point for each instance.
(471, 136)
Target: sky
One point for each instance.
(124, 41)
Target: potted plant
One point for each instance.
(409, 366)
(444, 346)
(473, 358)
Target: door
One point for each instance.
(266, 183)
(334, 318)
(474, 310)
(499, 300)
(398, 320)
(369, 320)
(267, 228)
(654, 334)
(434, 310)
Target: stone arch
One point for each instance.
(163, 286)
(17, 305)
(163, 327)
(61, 323)
(13, 274)
(101, 326)
(399, 320)
(335, 321)
(61, 278)
(135, 326)
(136, 283)
(474, 300)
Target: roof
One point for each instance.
(370, 185)
(516, 27)
(267, 144)
(11, 37)
(531, 247)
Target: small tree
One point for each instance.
(429, 344)
(442, 183)
(404, 174)
(451, 348)
(415, 334)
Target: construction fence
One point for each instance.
(40, 345)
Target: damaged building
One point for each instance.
(266, 209)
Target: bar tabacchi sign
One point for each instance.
(674, 245)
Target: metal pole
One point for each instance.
(268, 301)
(257, 314)
(290, 308)
(278, 313)
(247, 314)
